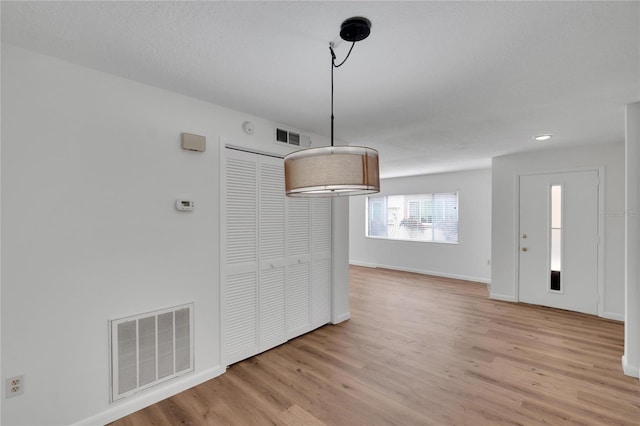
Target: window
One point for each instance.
(556, 237)
(421, 217)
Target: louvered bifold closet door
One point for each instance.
(272, 235)
(298, 310)
(320, 261)
(240, 255)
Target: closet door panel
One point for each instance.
(298, 227)
(272, 302)
(298, 299)
(320, 292)
(241, 211)
(276, 257)
(272, 308)
(299, 267)
(321, 226)
(272, 209)
(241, 317)
(240, 256)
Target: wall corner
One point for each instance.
(340, 263)
(631, 358)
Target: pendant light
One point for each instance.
(334, 170)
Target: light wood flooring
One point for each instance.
(423, 350)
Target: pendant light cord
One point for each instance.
(333, 56)
(333, 65)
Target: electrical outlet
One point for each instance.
(14, 386)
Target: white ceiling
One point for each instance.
(437, 86)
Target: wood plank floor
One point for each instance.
(422, 350)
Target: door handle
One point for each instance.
(524, 249)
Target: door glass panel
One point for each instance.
(556, 237)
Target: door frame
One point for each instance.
(601, 228)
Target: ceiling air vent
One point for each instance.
(291, 137)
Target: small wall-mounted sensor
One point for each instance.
(184, 205)
(247, 126)
(194, 142)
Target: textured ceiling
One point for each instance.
(437, 86)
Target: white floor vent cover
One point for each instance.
(150, 348)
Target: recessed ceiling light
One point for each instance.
(542, 137)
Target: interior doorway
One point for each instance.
(558, 240)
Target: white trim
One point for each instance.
(341, 318)
(136, 403)
(632, 242)
(561, 170)
(221, 272)
(601, 242)
(363, 264)
(516, 247)
(503, 297)
(1, 262)
(613, 316)
(421, 271)
(630, 370)
(413, 241)
(223, 144)
(222, 233)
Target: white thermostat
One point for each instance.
(184, 205)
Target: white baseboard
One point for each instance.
(630, 370)
(421, 271)
(613, 316)
(149, 397)
(340, 318)
(503, 297)
(365, 264)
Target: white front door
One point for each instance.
(559, 240)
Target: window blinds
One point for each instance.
(416, 217)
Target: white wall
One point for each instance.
(504, 233)
(340, 260)
(631, 357)
(466, 260)
(91, 168)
